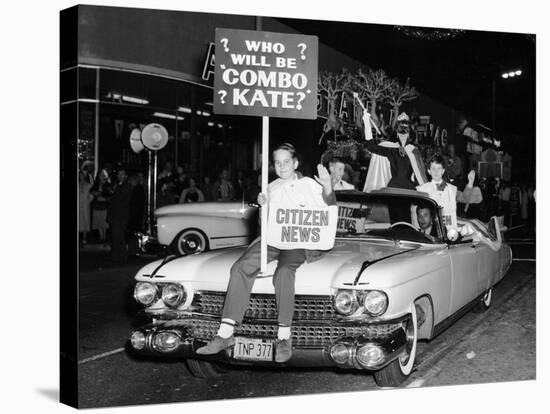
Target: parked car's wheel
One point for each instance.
(485, 302)
(204, 369)
(190, 241)
(394, 374)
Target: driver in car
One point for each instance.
(425, 221)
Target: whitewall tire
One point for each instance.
(394, 374)
(190, 241)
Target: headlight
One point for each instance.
(340, 353)
(375, 302)
(138, 340)
(173, 295)
(145, 293)
(345, 302)
(166, 341)
(370, 355)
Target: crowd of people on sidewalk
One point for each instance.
(113, 204)
(113, 209)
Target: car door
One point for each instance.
(464, 274)
(487, 267)
(488, 259)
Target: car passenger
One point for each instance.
(304, 191)
(443, 193)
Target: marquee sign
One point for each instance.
(265, 74)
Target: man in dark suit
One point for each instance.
(117, 216)
(425, 221)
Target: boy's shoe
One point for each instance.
(216, 345)
(283, 350)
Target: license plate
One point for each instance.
(253, 349)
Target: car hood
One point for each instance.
(210, 271)
(237, 209)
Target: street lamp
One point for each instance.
(504, 75)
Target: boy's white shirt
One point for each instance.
(343, 185)
(304, 192)
(445, 199)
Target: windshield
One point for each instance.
(394, 217)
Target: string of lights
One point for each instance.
(425, 33)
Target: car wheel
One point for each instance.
(394, 374)
(204, 369)
(190, 241)
(485, 302)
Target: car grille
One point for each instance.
(265, 307)
(304, 336)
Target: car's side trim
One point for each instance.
(368, 263)
(445, 323)
(229, 237)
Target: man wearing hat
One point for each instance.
(395, 163)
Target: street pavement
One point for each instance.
(494, 346)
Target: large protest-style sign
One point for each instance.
(265, 74)
(302, 228)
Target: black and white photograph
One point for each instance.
(259, 207)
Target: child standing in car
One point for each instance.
(443, 193)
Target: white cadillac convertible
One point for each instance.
(364, 305)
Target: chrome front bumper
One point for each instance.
(160, 340)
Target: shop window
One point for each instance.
(87, 78)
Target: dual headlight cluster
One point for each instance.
(172, 294)
(348, 302)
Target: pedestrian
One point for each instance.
(191, 194)
(453, 164)
(181, 180)
(87, 169)
(515, 202)
(393, 163)
(223, 189)
(166, 195)
(102, 193)
(136, 214)
(84, 200)
(524, 204)
(238, 185)
(288, 187)
(118, 215)
(470, 199)
(504, 200)
(167, 172)
(207, 188)
(252, 189)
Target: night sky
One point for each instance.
(457, 71)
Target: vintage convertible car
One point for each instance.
(364, 305)
(198, 227)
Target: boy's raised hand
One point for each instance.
(323, 177)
